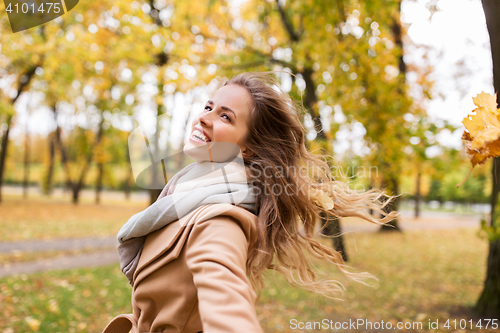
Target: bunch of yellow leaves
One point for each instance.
(321, 198)
(482, 131)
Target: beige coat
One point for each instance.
(191, 276)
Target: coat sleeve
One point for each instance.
(216, 255)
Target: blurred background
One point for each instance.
(384, 86)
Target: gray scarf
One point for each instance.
(190, 188)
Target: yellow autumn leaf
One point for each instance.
(482, 131)
(81, 326)
(475, 157)
(487, 101)
(33, 323)
(482, 128)
(484, 125)
(481, 121)
(54, 306)
(321, 198)
(486, 136)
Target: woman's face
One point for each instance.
(224, 119)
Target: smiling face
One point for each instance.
(224, 119)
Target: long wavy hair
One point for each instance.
(294, 187)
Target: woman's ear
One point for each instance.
(247, 152)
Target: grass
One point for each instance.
(425, 275)
(80, 300)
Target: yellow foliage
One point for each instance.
(321, 198)
(33, 323)
(482, 130)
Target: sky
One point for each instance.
(459, 31)
(462, 66)
(460, 56)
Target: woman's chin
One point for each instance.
(196, 150)
(217, 152)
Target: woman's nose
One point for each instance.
(206, 119)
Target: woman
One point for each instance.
(198, 273)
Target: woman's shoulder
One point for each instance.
(207, 214)
(175, 234)
(168, 242)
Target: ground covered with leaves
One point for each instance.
(424, 276)
(45, 218)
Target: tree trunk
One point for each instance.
(488, 304)
(397, 30)
(370, 187)
(310, 100)
(331, 228)
(47, 183)
(331, 225)
(62, 150)
(418, 196)
(78, 186)
(392, 184)
(154, 192)
(24, 82)
(98, 187)
(26, 162)
(3, 153)
(392, 181)
(130, 174)
(75, 186)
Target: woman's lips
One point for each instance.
(202, 131)
(199, 136)
(194, 139)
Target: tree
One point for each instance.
(423, 137)
(488, 303)
(22, 65)
(342, 54)
(85, 73)
(263, 35)
(177, 67)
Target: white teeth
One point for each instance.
(199, 135)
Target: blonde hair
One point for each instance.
(287, 220)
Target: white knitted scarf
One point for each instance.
(190, 188)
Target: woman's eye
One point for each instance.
(208, 108)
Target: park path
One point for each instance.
(57, 244)
(103, 254)
(93, 259)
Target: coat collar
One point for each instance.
(172, 237)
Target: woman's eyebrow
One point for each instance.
(223, 108)
(228, 109)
